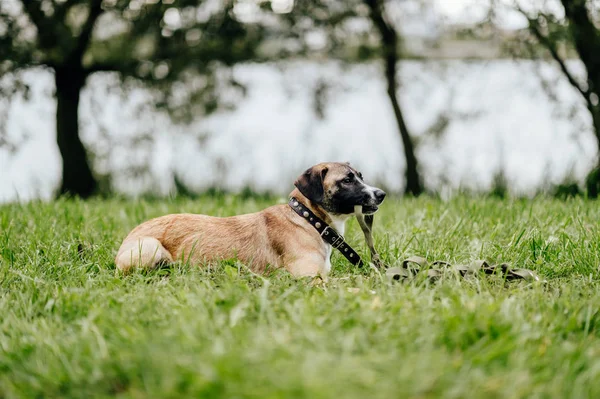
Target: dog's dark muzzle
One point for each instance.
(379, 196)
(372, 204)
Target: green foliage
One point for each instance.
(71, 327)
(131, 37)
(592, 183)
(343, 30)
(156, 43)
(499, 184)
(567, 190)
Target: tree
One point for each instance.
(152, 41)
(330, 19)
(389, 50)
(578, 30)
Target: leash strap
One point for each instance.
(328, 234)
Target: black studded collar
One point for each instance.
(328, 234)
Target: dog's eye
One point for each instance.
(347, 180)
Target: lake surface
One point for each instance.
(471, 119)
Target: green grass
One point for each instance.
(71, 327)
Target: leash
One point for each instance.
(328, 234)
(413, 265)
(438, 269)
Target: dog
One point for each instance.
(275, 237)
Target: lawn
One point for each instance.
(71, 327)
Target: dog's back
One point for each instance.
(199, 238)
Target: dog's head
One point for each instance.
(338, 188)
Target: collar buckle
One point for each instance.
(332, 237)
(337, 242)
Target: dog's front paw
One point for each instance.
(377, 262)
(319, 281)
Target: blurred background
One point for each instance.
(163, 97)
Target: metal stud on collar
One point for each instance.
(318, 225)
(305, 214)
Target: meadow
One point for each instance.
(70, 326)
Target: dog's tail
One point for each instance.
(142, 252)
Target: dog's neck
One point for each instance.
(338, 222)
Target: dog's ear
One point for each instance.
(310, 184)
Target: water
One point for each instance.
(470, 120)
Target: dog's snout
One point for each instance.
(380, 195)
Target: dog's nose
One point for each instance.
(380, 195)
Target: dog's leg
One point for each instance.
(142, 252)
(366, 225)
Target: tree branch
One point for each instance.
(586, 38)
(46, 35)
(551, 47)
(86, 31)
(388, 34)
(389, 40)
(103, 66)
(35, 14)
(61, 9)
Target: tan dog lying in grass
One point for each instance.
(277, 236)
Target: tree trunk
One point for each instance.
(77, 177)
(592, 181)
(413, 180)
(595, 111)
(389, 47)
(586, 39)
